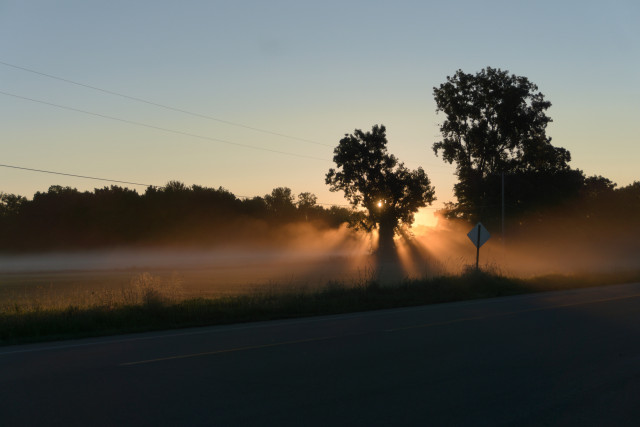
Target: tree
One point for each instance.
(175, 187)
(307, 204)
(307, 200)
(10, 204)
(495, 123)
(11, 209)
(597, 186)
(375, 180)
(280, 202)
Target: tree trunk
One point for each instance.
(388, 267)
(386, 246)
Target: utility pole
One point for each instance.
(503, 210)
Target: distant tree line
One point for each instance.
(64, 218)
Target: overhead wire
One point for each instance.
(171, 108)
(146, 125)
(123, 182)
(167, 107)
(76, 176)
(174, 131)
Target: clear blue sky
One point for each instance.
(310, 69)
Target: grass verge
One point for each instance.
(151, 310)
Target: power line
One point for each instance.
(120, 181)
(160, 128)
(76, 176)
(174, 131)
(167, 107)
(133, 98)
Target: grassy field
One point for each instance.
(38, 307)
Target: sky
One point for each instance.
(271, 87)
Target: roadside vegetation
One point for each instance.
(153, 303)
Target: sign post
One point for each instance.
(478, 236)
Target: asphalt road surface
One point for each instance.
(567, 358)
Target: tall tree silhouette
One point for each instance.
(373, 179)
(496, 123)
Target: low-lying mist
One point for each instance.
(303, 254)
(534, 249)
(293, 255)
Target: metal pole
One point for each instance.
(503, 210)
(478, 249)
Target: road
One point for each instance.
(564, 358)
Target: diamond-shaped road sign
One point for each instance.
(479, 235)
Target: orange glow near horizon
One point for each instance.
(425, 218)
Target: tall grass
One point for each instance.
(151, 302)
(142, 289)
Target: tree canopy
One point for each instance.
(375, 180)
(496, 123)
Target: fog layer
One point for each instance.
(301, 254)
